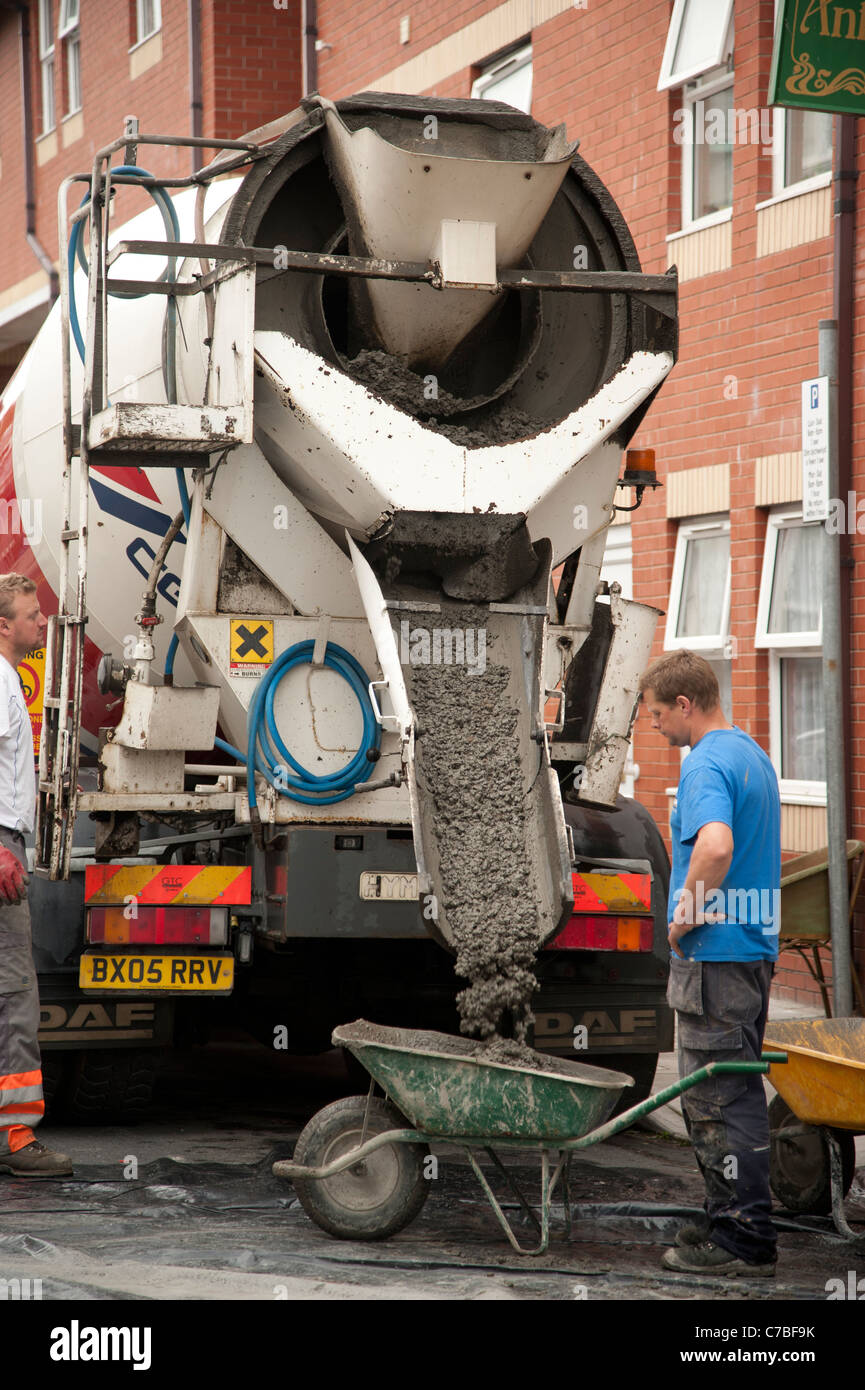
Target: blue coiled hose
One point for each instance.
(266, 753)
(76, 251)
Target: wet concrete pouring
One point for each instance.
(204, 1219)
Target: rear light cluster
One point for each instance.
(607, 933)
(158, 926)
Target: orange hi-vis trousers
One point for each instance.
(21, 1102)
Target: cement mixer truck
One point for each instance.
(315, 460)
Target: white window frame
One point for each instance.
(714, 645)
(780, 189)
(701, 91)
(502, 67)
(140, 35)
(73, 60)
(671, 77)
(46, 61)
(69, 17)
(779, 645)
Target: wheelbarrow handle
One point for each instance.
(636, 1112)
(774, 1056)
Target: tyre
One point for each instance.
(53, 1073)
(108, 1087)
(799, 1161)
(377, 1197)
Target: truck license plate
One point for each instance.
(392, 888)
(210, 974)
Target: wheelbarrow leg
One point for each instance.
(505, 1175)
(836, 1179)
(546, 1190)
(565, 1166)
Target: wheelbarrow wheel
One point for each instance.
(377, 1197)
(799, 1172)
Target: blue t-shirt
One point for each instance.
(727, 777)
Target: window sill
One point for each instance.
(713, 220)
(797, 190)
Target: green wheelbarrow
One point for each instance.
(361, 1173)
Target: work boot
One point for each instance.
(35, 1161)
(693, 1233)
(708, 1258)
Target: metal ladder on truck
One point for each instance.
(107, 436)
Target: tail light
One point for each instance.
(605, 913)
(607, 933)
(158, 926)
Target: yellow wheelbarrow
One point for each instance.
(818, 1111)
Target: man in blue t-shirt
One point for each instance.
(723, 913)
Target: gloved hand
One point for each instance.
(13, 879)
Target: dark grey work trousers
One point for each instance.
(722, 1008)
(21, 1103)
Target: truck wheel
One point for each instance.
(108, 1087)
(377, 1197)
(53, 1072)
(799, 1161)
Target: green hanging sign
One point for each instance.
(819, 57)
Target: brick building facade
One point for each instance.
(745, 212)
(748, 221)
(119, 58)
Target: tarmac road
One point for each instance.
(185, 1207)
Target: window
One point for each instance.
(699, 613)
(71, 37)
(789, 625)
(508, 79)
(68, 17)
(700, 37)
(618, 566)
(801, 148)
(46, 60)
(801, 144)
(149, 19)
(705, 120)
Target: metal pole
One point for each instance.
(833, 702)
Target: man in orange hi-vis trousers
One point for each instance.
(22, 627)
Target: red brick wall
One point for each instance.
(364, 40)
(251, 59)
(250, 74)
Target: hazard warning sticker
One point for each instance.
(251, 647)
(31, 673)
